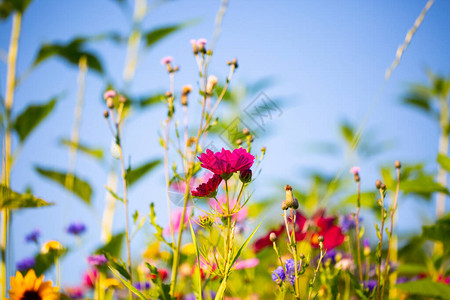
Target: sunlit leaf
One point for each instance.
(136, 174)
(30, 118)
(163, 289)
(424, 186)
(197, 279)
(159, 230)
(13, 200)
(8, 6)
(80, 188)
(118, 265)
(444, 161)
(439, 231)
(93, 152)
(114, 246)
(44, 261)
(425, 288)
(156, 35)
(128, 285)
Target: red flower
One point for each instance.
(311, 229)
(225, 163)
(208, 189)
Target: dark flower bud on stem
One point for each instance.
(302, 256)
(238, 142)
(383, 186)
(320, 239)
(398, 164)
(110, 103)
(245, 176)
(291, 202)
(245, 131)
(106, 114)
(378, 184)
(356, 177)
(284, 205)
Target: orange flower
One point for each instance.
(32, 287)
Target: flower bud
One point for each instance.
(295, 206)
(398, 164)
(201, 44)
(211, 84)
(184, 93)
(284, 205)
(378, 184)
(302, 256)
(383, 186)
(356, 177)
(273, 237)
(320, 239)
(194, 46)
(245, 131)
(290, 201)
(238, 142)
(106, 114)
(263, 150)
(245, 176)
(110, 103)
(122, 99)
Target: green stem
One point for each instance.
(358, 238)
(381, 245)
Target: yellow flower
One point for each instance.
(51, 246)
(32, 287)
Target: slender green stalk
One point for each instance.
(443, 149)
(381, 244)
(358, 238)
(294, 253)
(311, 284)
(7, 157)
(392, 213)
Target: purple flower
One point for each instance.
(109, 94)
(97, 260)
(26, 264)
(370, 284)
(76, 228)
(366, 243)
(201, 42)
(278, 274)
(33, 236)
(142, 285)
(331, 254)
(348, 223)
(290, 270)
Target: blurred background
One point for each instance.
(322, 64)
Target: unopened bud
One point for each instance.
(302, 256)
(284, 205)
(233, 63)
(383, 186)
(250, 139)
(320, 239)
(378, 184)
(290, 201)
(209, 52)
(263, 150)
(238, 142)
(245, 131)
(211, 84)
(245, 176)
(273, 237)
(356, 177)
(295, 206)
(194, 46)
(106, 114)
(398, 164)
(122, 99)
(110, 103)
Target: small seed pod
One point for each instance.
(106, 114)
(383, 186)
(284, 205)
(238, 142)
(263, 150)
(378, 184)
(290, 201)
(273, 237)
(295, 206)
(245, 176)
(398, 164)
(302, 256)
(320, 239)
(245, 131)
(356, 177)
(122, 99)
(211, 84)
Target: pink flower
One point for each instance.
(166, 60)
(175, 220)
(208, 189)
(246, 264)
(225, 163)
(109, 94)
(201, 42)
(354, 170)
(89, 278)
(97, 260)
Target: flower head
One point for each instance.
(246, 264)
(26, 264)
(201, 42)
(33, 236)
(166, 60)
(354, 170)
(97, 260)
(75, 292)
(225, 163)
(76, 228)
(142, 285)
(51, 246)
(278, 275)
(89, 278)
(109, 94)
(32, 287)
(208, 189)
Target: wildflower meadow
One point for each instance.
(224, 149)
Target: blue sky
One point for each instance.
(327, 59)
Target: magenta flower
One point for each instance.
(208, 189)
(109, 94)
(246, 264)
(225, 163)
(354, 170)
(201, 42)
(166, 60)
(97, 260)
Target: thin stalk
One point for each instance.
(322, 254)
(381, 245)
(358, 239)
(392, 212)
(7, 157)
(227, 240)
(443, 149)
(294, 253)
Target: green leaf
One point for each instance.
(444, 161)
(71, 52)
(424, 186)
(45, 261)
(197, 274)
(119, 266)
(115, 196)
(411, 269)
(113, 247)
(29, 119)
(368, 199)
(439, 231)
(163, 289)
(136, 174)
(93, 152)
(80, 188)
(8, 6)
(127, 284)
(13, 200)
(425, 288)
(156, 35)
(223, 284)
